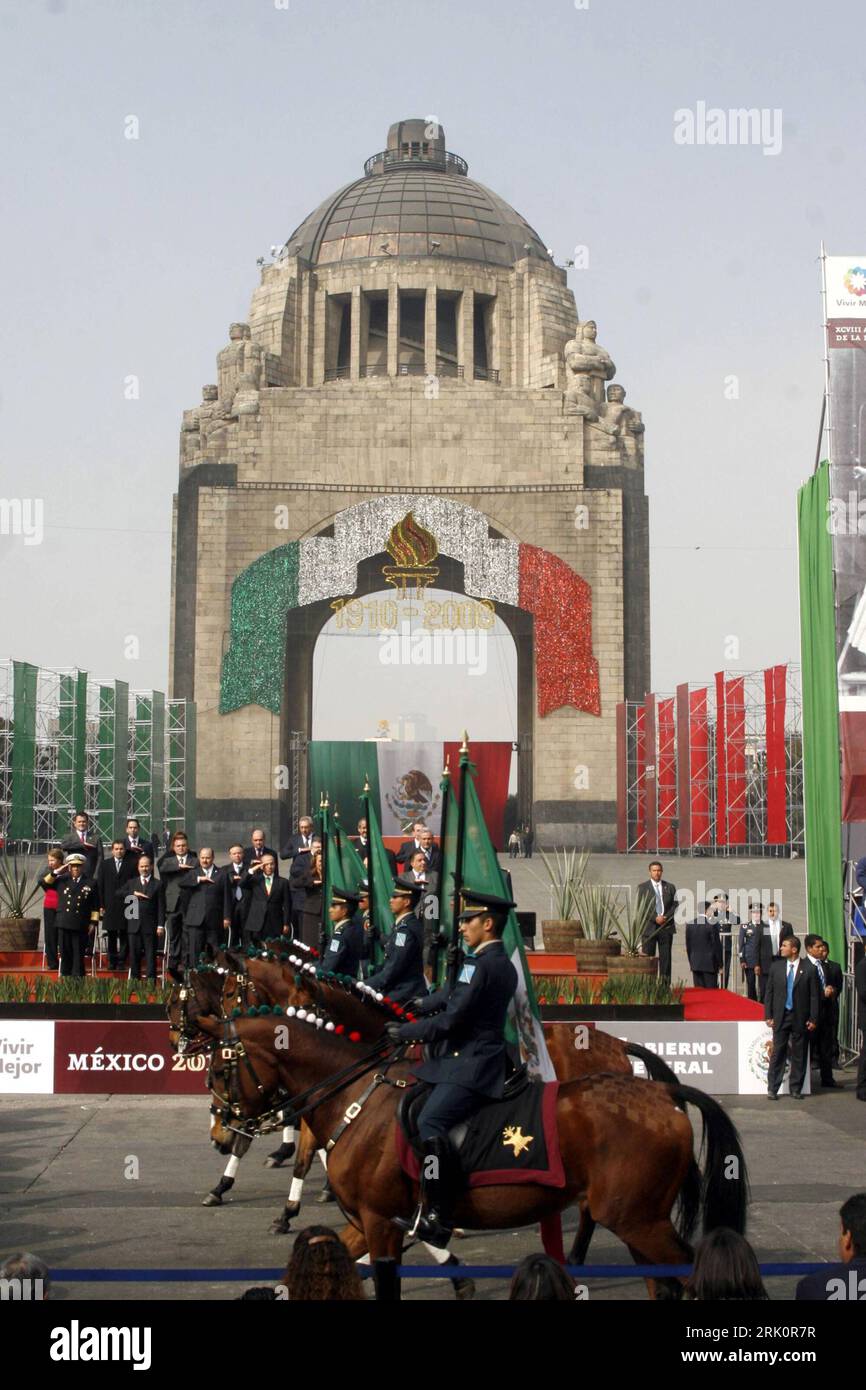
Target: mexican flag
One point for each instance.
(343, 865)
(478, 869)
(404, 781)
(379, 877)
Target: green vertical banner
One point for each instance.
(821, 772)
(71, 747)
(24, 684)
(104, 811)
(447, 875)
(120, 767)
(338, 769)
(156, 804)
(379, 877)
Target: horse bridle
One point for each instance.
(191, 1039)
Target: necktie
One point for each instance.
(659, 899)
(117, 864)
(789, 994)
(820, 969)
(144, 882)
(81, 836)
(268, 886)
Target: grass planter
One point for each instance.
(592, 956)
(632, 965)
(19, 933)
(560, 936)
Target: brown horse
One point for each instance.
(252, 981)
(626, 1144)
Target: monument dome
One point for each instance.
(415, 199)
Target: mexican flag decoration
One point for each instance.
(341, 862)
(379, 878)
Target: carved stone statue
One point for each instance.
(588, 367)
(616, 418)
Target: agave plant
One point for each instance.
(595, 909)
(566, 870)
(17, 890)
(632, 921)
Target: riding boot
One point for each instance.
(440, 1183)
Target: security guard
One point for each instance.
(468, 1056)
(347, 946)
(402, 975)
(77, 909)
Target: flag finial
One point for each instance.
(464, 747)
(366, 783)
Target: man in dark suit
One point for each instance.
(257, 849)
(792, 1005)
(111, 874)
(145, 919)
(301, 840)
(174, 865)
(860, 990)
(202, 899)
(829, 987)
(431, 851)
(233, 896)
(661, 899)
(727, 923)
(845, 1282)
(410, 847)
(779, 930)
(270, 902)
(84, 840)
(135, 844)
(704, 950)
(401, 976)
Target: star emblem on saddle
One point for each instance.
(513, 1136)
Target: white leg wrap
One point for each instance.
(440, 1256)
(232, 1167)
(324, 1157)
(296, 1189)
(289, 1135)
(363, 1259)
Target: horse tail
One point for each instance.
(725, 1179)
(689, 1203)
(657, 1070)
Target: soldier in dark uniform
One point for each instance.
(77, 909)
(401, 977)
(348, 944)
(466, 1027)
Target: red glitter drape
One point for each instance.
(652, 805)
(492, 769)
(721, 764)
(566, 672)
(698, 753)
(666, 775)
(640, 780)
(852, 728)
(777, 809)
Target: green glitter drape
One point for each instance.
(24, 679)
(254, 665)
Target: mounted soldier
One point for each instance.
(402, 975)
(468, 1058)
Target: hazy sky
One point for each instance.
(131, 257)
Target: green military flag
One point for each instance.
(379, 877)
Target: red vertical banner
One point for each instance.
(684, 793)
(493, 770)
(651, 772)
(735, 750)
(777, 797)
(699, 749)
(721, 763)
(621, 779)
(640, 780)
(666, 775)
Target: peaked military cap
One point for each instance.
(476, 903)
(348, 896)
(408, 888)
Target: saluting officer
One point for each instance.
(348, 945)
(468, 1059)
(402, 975)
(77, 908)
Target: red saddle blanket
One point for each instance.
(509, 1140)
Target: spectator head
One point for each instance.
(132, 828)
(418, 862)
(179, 842)
(269, 865)
(772, 911)
(205, 856)
(655, 870)
(755, 912)
(425, 839)
(236, 854)
(81, 820)
(118, 849)
(539, 1279)
(145, 866)
(812, 944)
(321, 1269)
(75, 863)
(417, 828)
(852, 1237)
(55, 856)
(725, 1268)
(362, 828)
(258, 839)
(824, 949)
(316, 845)
(305, 825)
(790, 947)
(26, 1266)
(261, 1293)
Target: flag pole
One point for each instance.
(371, 899)
(458, 859)
(326, 830)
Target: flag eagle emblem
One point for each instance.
(513, 1135)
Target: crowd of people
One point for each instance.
(132, 901)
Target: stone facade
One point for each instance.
(410, 370)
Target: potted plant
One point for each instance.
(631, 922)
(18, 932)
(566, 871)
(597, 917)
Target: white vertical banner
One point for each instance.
(26, 1057)
(409, 776)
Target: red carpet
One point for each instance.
(714, 1005)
